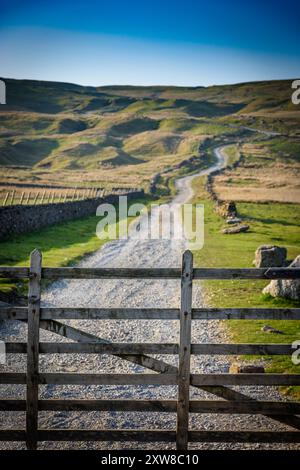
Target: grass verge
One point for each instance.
(62, 244)
(270, 223)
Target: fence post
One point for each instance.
(12, 198)
(36, 198)
(184, 352)
(43, 196)
(5, 200)
(34, 298)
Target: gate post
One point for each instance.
(32, 392)
(184, 351)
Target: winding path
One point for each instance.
(137, 293)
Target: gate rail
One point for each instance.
(233, 401)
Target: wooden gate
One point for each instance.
(165, 374)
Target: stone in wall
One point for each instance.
(18, 219)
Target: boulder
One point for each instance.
(233, 220)
(226, 209)
(286, 288)
(270, 329)
(270, 256)
(236, 229)
(238, 368)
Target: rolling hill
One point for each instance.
(53, 132)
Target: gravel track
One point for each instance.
(131, 293)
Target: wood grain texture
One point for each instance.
(111, 273)
(245, 379)
(52, 313)
(158, 365)
(142, 435)
(246, 314)
(120, 349)
(246, 273)
(13, 272)
(110, 313)
(245, 436)
(184, 352)
(170, 273)
(157, 406)
(32, 389)
(107, 379)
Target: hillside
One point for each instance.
(60, 132)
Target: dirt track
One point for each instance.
(130, 293)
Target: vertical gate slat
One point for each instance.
(34, 298)
(184, 351)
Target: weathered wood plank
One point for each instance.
(75, 334)
(32, 389)
(152, 348)
(12, 405)
(244, 407)
(161, 366)
(171, 273)
(153, 273)
(237, 396)
(159, 406)
(12, 378)
(13, 272)
(169, 314)
(242, 349)
(246, 314)
(246, 273)
(111, 273)
(160, 348)
(96, 348)
(244, 436)
(184, 352)
(114, 348)
(107, 379)
(49, 313)
(13, 313)
(142, 435)
(110, 313)
(245, 379)
(170, 406)
(12, 435)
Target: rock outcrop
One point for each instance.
(235, 229)
(226, 209)
(270, 256)
(233, 220)
(271, 329)
(238, 368)
(286, 288)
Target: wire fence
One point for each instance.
(34, 196)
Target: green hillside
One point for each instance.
(53, 132)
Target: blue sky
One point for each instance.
(150, 42)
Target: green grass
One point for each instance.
(55, 132)
(271, 223)
(285, 150)
(232, 154)
(61, 245)
(213, 129)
